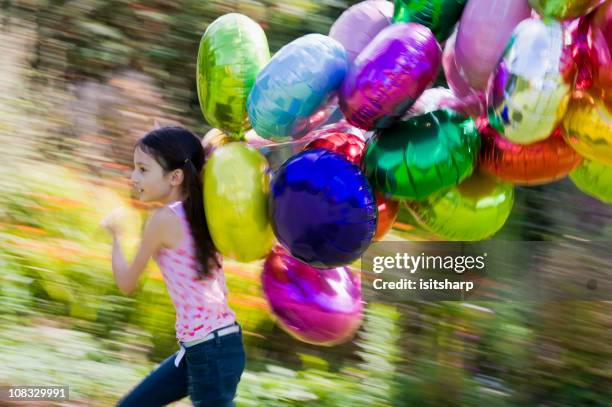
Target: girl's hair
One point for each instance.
(173, 148)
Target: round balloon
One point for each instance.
(300, 81)
(341, 126)
(236, 188)
(438, 15)
(323, 209)
(321, 307)
(474, 210)
(348, 145)
(563, 9)
(537, 163)
(389, 75)
(600, 39)
(387, 213)
(484, 30)
(422, 155)
(534, 92)
(588, 127)
(232, 51)
(595, 179)
(357, 26)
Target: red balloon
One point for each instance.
(387, 213)
(531, 164)
(317, 306)
(346, 144)
(601, 44)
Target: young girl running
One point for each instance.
(167, 169)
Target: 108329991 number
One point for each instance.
(34, 393)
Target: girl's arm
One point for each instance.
(127, 275)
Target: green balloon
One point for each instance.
(236, 188)
(563, 9)
(440, 16)
(594, 178)
(423, 155)
(474, 210)
(232, 51)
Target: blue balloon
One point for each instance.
(322, 208)
(291, 93)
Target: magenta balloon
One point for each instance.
(484, 30)
(318, 306)
(358, 25)
(389, 75)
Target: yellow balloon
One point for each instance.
(588, 128)
(595, 179)
(474, 210)
(236, 189)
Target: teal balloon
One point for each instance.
(440, 16)
(420, 156)
(232, 51)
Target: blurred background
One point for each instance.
(80, 82)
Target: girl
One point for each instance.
(167, 169)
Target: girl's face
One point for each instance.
(149, 179)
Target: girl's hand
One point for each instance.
(113, 222)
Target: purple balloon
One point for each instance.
(484, 30)
(389, 75)
(358, 25)
(322, 307)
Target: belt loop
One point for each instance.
(217, 338)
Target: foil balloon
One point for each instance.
(534, 93)
(389, 75)
(438, 15)
(563, 9)
(348, 145)
(595, 179)
(474, 210)
(214, 139)
(588, 127)
(357, 26)
(341, 126)
(537, 163)
(454, 78)
(423, 155)
(387, 213)
(323, 209)
(430, 100)
(232, 51)
(320, 307)
(236, 187)
(484, 30)
(600, 40)
(299, 82)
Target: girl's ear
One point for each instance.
(177, 177)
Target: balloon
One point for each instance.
(387, 213)
(214, 139)
(323, 209)
(438, 15)
(429, 101)
(357, 26)
(235, 200)
(348, 145)
(538, 163)
(484, 30)
(321, 307)
(563, 9)
(474, 210)
(389, 75)
(534, 93)
(595, 179)
(420, 156)
(232, 51)
(588, 127)
(340, 127)
(601, 45)
(299, 82)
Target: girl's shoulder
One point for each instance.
(170, 224)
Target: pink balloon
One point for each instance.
(358, 25)
(484, 30)
(455, 81)
(389, 75)
(318, 306)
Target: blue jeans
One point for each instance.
(208, 373)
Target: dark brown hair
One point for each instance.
(174, 148)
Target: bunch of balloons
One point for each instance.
(359, 129)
